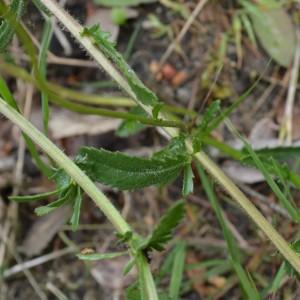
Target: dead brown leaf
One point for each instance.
(65, 124)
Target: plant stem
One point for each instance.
(78, 96)
(84, 109)
(147, 285)
(207, 163)
(68, 165)
(250, 209)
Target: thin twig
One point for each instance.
(21, 266)
(183, 31)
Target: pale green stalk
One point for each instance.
(208, 164)
(68, 165)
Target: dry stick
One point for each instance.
(286, 127)
(27, 273)
(20, 267)
(183, 31)
(207, 163)
(56, 291)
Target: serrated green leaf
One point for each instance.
(101, 40)
(42, 7)
(162, 232)
(31, 198)
(131, 127)
(113, 3)
(43, 210)
(203, 129)
(101, 256)
(126, 172)
(76, 209)
(188, 182)
(275, 32)
(61, 178)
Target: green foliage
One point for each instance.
(67, 192)
(233, 249)
(64, 198)
(131, 127)
(274, 30)
(119, 15)
(124, 238)
(264, 168)
(61, 178)
(204, 128)
(249, 29)
(76, 208)
(45, 43)
(177, 271)
(275, 284)
(101, 39)
(236, 103)
(16, 10)
(126, 172)
(100, 256)
(162, 232)
(133, 292)
(281, 152)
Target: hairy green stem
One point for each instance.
(68, 165)
(207, 163)
(147, 285)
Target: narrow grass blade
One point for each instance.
(276, 282)
(233, 249)
(292, 210)
(177, 271)
(31, 198)
(7, 96)
(46, 38)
